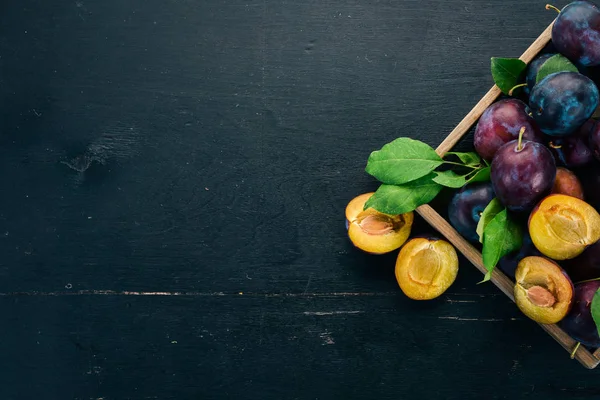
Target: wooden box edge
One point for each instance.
(584, 356)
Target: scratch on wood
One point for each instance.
(461, 301)
(191, 293)
(331, 312)
(327, 338)
(473, 319)
(307, 283)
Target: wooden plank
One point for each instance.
(585, 357)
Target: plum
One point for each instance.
(571, 151)
(533, 68)
(586, 265)
(594, 140)
(375, 232)
(426, 268)
(543, 291)
(567, 183)
(466, 207)
(579, 323)
(501, 123)
(562, 102)
(590, 180)
(574, 151)
(576, 33)
(561, 226)
(522, 173)
(508, 263)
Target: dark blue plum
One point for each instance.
(508, 263)
(522, 176)
(532, 70)
(466, 207)
(576, 33)
(562, 102)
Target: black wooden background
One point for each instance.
(174, 175)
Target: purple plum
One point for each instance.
(522, 173)
(501, 123)
(579, 323)
(576, 33)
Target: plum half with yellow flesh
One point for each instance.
(543, 290)
(375, 232)
(561, 226)
(426, 268)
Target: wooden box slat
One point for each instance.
(584, 356)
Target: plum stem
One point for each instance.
(551, 7)
(520, 85)
(588, 280)
(575, 350)
(520, 142)
(555, 146)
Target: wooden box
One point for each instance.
(589, 359)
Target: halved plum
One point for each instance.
(562, 226)
(375, 232)
(543, 291)
(426, 268)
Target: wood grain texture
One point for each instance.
(161, 157)
(472, 116)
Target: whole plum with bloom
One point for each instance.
(500, 123)
(533, 68)
(562, 102)
(576, 33)
(579, 323)
(522, 173)
(466, 207)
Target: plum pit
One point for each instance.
(561, 226)
(426, 268)
(375, 232)
(543, 291)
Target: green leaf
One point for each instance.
(482, 175)
(501, 236)
(556, 63)
(507, 72)
(400, 199)
(596, 310)
(490, 211)
(450, 179)
(471, 159)
(402, 161)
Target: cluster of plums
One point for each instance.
(538, 147)
(544, 152)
